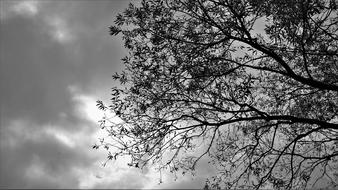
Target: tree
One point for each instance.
(252, 84)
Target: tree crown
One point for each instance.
(251, 84)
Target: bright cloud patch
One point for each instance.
(59, 29)
(10, 8)
(35, 170)
(85, 105)
(115, 175)
(56, 24)
(29, 8)
(62, 137)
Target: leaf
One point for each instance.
(114, 30)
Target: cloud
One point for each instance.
(112, 178)
(50, 156)
(61, 137)
(36, 71)
(59, 29)
(46, 130)
(11, 8)
(55, 24)
(85, 105)
(29, 8)
(43, 157)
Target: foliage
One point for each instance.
(252, 84)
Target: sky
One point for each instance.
(56, 60)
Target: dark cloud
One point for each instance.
(33, 72)
(36, 73)
(36, 158)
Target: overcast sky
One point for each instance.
(57, 58)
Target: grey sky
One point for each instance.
(57, 58)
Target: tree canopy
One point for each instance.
(251, 84)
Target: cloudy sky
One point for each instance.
(57, 58)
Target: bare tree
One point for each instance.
(252, 84)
